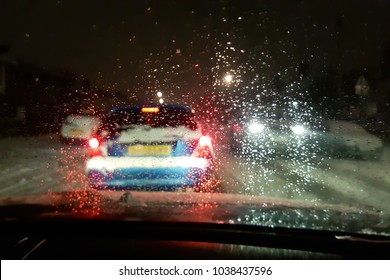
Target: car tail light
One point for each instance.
(238, 128)
(93, 143)
(204, 148)
(205, 141)
(94, 147)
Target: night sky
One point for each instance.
(107, 40)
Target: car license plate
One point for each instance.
(76, 132)
(142, 150)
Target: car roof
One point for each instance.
(139, 107)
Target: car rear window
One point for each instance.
(165, 117)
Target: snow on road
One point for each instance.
(323, 180)
(32, 165)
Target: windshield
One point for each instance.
(265, 113)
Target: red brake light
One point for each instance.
(205, 141)
(203, 150)
(93, 143)
(238, 128)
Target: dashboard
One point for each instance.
(95, 239)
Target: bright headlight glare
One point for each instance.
(256, 127)
(297, 129)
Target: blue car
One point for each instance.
(149, 148)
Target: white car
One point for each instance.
(349, 138)
(79, 128)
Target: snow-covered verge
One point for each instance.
(38, 164)
(354, 135)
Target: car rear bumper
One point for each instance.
(146, 172)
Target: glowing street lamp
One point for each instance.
(228, 78)
(161, 101)
(159, 94)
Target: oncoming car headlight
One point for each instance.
(256, 128)
(298, 129)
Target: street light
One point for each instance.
(159, 94)
(228, 78)
(161, 101)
